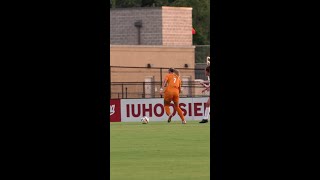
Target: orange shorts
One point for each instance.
(171, 95)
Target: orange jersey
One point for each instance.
(173, 82)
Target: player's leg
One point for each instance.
(206, 112)
(177, 108)
(166, 101)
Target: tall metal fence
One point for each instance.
(123, 85)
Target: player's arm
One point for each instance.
(163, 84)
(205, 83)
(206, 89)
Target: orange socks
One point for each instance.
(167, 109)
(179, 112)
(177, 108)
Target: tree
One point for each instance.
(126, 3)
(200, 19)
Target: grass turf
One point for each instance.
(160, 151)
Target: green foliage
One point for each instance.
(200, 19)
(126, 3)
(200, 14)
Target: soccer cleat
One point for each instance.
(169, 119)
(184, 122)
(204, 121)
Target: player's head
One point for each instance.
(170, 70)
(175, 71)
(207, 70)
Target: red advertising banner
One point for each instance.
(115, 110)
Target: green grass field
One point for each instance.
(159, 151)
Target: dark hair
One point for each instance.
(208, 68)
(176, 72)
(171, 70)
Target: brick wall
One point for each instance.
(177, 26)
(140, 56)
(168, 26)
(124, 32)
(157, 56)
